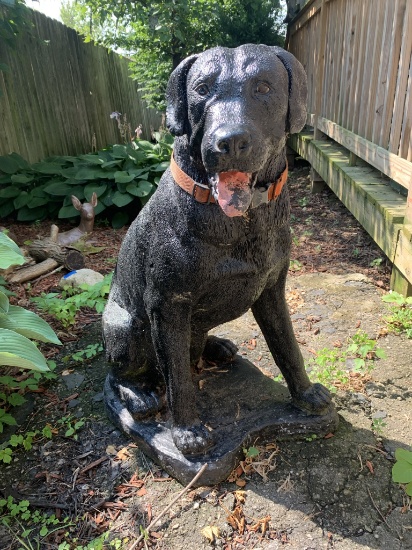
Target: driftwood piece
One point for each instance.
(29, 273)
(49, 254)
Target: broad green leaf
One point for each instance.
(403, 454)
(21, 200)
(25, 354)
(380, 353)
(6, 208)
(119, 151)
(68, 212)
(119, 220)
(394, 297)
(110, 163)
(16, 399)
(9, 252)
(59, 188)
(408, 489)
(29, 324)
(21, 162)
(35, 202)
(21, 178)
(86, 173)
(97, 188)
(47, 168)
(402, 472)
(9, 192)
(27, 214)
(105, 156)
(123, 177)
(93, 159)
(8, 165)
(121, 199)
(4, 303)
(161, 167)
(141, 189)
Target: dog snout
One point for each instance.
(233, 141)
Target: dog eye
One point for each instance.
(262, 88)
(202, 89)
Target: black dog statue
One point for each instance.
(213, 240)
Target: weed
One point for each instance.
(71, 426)
(88, 353)
(295, 265)
(303, 202)
(331, 367)
(64, 306)
(400, 320)
(378, 424)
(310, 438)
(251, 452)
(377, 262)
(402, 469)
(356, 252)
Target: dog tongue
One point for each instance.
(234, 192)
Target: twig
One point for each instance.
(153, 523)
(47, 275)
(381, 515)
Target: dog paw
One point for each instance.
(194, 440)
(219, 349)
(140, 402)
(315, 400)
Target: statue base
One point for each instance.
(240, 405)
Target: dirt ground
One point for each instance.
(329, 493)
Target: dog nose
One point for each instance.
(233, 141)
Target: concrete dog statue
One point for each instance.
(214, 239)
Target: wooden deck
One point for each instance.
(358, 57)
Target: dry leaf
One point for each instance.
(240, 482)
(369, 465)
(329, 435)
(141, 492)
(201, 384)
(240, 496)
(123, 454)
(111, 450)
(211, 532)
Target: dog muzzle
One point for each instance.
(231, 190)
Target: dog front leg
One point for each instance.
(170, 326)
(272, 315)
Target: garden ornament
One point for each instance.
(86, 221)
(211, 243)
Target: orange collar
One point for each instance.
(203, 194)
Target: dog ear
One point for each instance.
(298, 91)
(176, 110)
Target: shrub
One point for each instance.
(120, 175)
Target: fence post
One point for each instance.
(321, 68)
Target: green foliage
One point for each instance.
(88, 353)
(71, 426)
(400, 320)
(378, 424)
(251, 452)
(402, 469)
(65, 305)
(157, 35)
(331, 366)
(120, 175)
(13, 388)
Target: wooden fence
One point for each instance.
(357, 54)
(59, 92)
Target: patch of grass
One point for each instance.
(334, 367)
(400, 318)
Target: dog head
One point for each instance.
(236, 107)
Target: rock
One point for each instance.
(73, 380)
(81, 277)
(379, 414)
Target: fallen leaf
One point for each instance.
(211, 532)
(369, 465)
(201, 384)
(141, 492)
(240, 496)
(240, 482)
(329, 435)
(111, 450)
(358, 324)
(123, 454)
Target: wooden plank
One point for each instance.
(396, 168)
(321, 63)
(362, 15)
(391, 76)
(406, 137)
(382, 9)
(379, 92)
(403, 260)
(305, 15)
(402, 82)
(345, 77)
